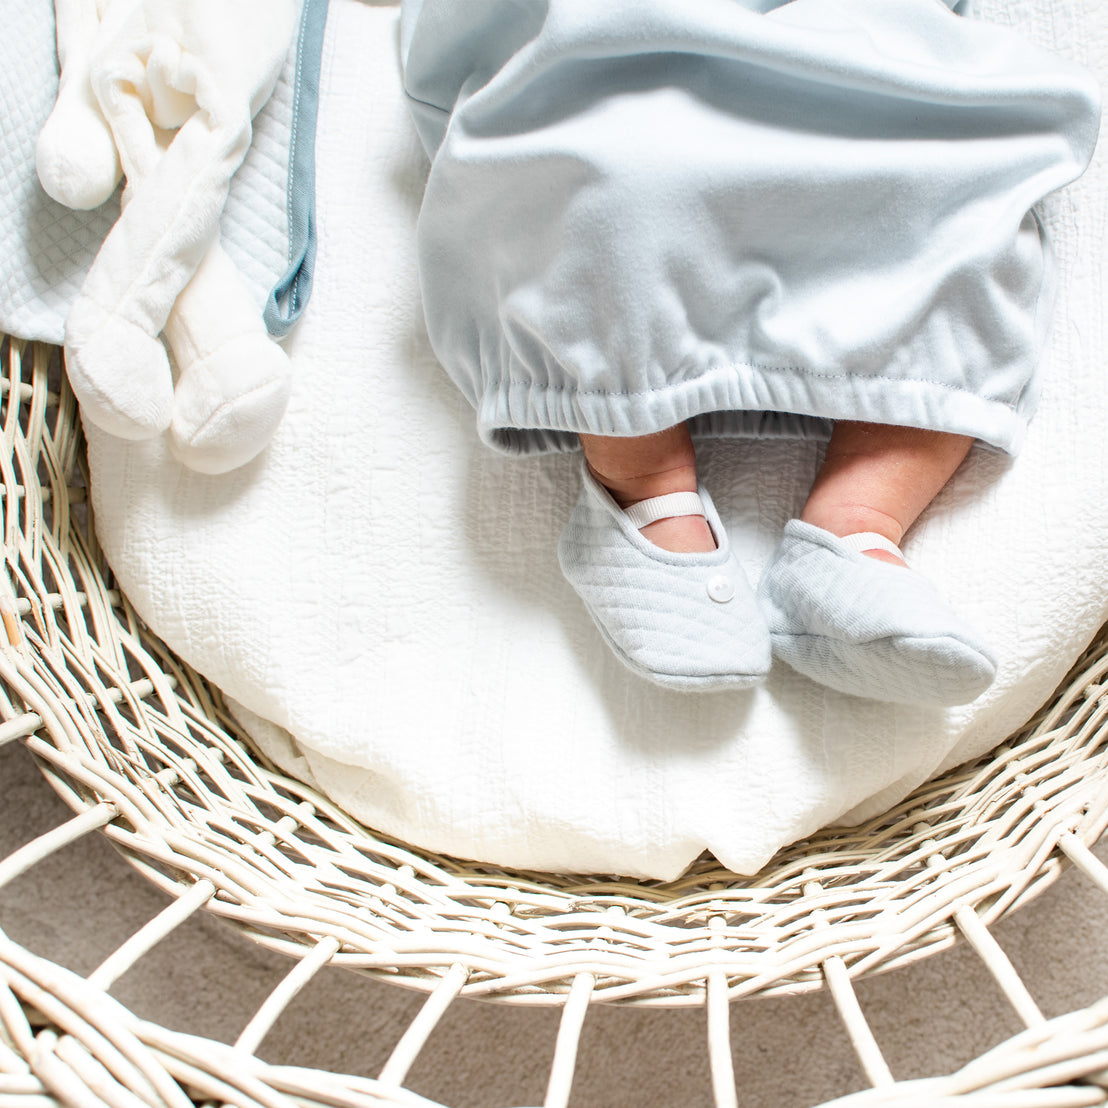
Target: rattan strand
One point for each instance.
(63, 1030)
(125, 731)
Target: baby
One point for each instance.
(653, 220)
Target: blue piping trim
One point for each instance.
(290, 295)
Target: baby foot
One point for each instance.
(686, 620)
(866, 628)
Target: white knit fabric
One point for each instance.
(385, 589)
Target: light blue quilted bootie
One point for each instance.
(866, 627)
(684, 621)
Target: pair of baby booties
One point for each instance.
(692, 622)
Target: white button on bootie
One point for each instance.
(684, 621)
(866, 627)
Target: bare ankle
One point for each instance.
(855, 519)
(640, 468)
(630, 489)
(852, 519)
(880, 478)
(643, 466)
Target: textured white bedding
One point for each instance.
(381, 596)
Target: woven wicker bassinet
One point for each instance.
(142, 749)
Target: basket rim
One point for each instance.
(112, 716)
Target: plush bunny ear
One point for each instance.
(76, 156)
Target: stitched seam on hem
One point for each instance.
(548, 387)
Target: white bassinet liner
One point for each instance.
(380, 593)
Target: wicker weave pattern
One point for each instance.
(66, 1035)
(142, 748)
(123, 722)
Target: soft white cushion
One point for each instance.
(385, 590)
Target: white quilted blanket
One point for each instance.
(384, 590)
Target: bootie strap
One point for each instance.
(672, 504)
(871, 540)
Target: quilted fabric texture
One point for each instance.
(46, 249)
(381, 594)
(867, 628)
(684, 621)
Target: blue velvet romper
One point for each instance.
(758, 216)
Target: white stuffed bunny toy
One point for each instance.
(165, 91)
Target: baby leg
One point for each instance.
(645, 466)
(851, 615)
(877, 478)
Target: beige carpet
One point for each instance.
(78, 905)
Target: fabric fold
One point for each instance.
(640, 213)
